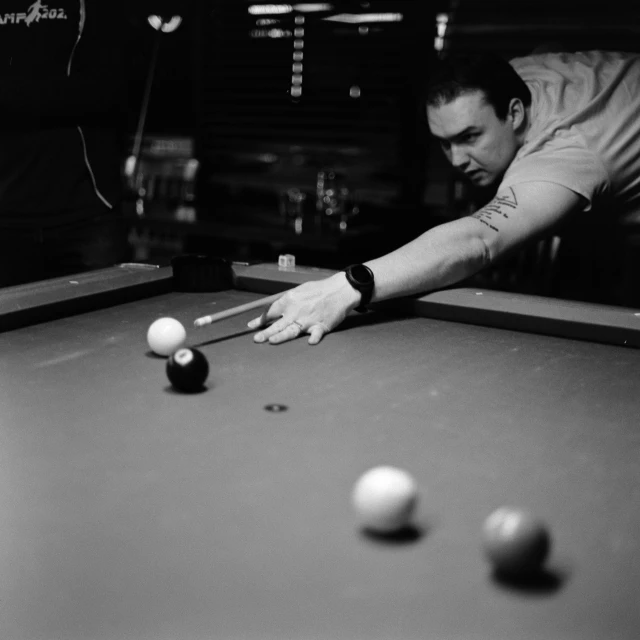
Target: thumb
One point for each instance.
(317, 332)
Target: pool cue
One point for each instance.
(139, 135)
(235, 311)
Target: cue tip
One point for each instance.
(235, 311)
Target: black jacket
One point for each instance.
(62, 109)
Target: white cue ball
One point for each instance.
(165, 336)
(384, 499)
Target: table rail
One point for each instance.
(49, 299)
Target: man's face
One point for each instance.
(473, 138)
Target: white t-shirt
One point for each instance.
(585, 127)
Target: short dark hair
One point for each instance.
(458, 74)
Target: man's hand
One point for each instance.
(315, 308)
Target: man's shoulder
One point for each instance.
(564, 60)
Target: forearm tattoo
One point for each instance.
(498, 209)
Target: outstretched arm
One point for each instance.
(438, 258)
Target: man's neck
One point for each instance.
(526, 126)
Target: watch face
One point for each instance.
(361, 274)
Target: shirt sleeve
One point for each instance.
(561, 160)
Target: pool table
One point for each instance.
(129, 511)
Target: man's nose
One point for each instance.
(459, 158)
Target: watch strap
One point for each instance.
(363, 285)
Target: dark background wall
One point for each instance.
(224, 81)
(215, 80)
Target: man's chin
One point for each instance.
(481, 179)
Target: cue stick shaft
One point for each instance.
(137, 142)
(235, 311)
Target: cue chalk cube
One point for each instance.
(201, 273)
(286, 261)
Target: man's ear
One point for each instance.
(517, 113)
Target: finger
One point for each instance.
(271, 330)
(256, 323)
(291, 332)
(274, 312)
(317, 332)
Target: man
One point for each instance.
(557, 134)
(62, 110)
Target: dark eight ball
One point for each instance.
(187, 369)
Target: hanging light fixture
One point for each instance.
(161, 23)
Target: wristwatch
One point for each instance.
(360, 277)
